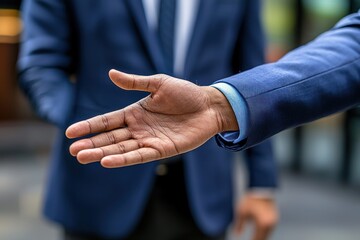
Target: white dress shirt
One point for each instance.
(186, 13)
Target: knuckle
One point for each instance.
(102, 152)
(121, 147)
(111, 137)
(132, 83)
(160, 76)
(92, 143)
(125, 161)
(105, 122)
(140, 157)
(89, 125)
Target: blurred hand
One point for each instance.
(176, 117)
(261, 211)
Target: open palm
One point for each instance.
(176, 117)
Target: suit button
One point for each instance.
(161, 170)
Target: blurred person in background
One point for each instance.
(67, 49)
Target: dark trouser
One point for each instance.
(167, 215)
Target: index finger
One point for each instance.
(100, 123)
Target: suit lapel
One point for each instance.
(149, 37)
(205, 10)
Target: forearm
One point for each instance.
(316, 80)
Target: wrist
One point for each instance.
(264, 193)
(224, 114)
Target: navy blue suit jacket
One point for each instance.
(68, 48)
(313, 81)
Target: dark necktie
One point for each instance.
(166, 31)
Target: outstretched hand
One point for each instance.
(176, 117)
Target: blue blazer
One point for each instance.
(313, 81)
(68, 48)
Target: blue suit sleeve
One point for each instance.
(316, 80)
(44, 59)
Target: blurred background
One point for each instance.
(319, 196)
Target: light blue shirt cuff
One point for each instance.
(240, 109)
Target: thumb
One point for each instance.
(134, 82)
